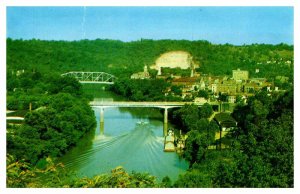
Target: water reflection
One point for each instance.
(124, 142)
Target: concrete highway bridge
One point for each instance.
(129, 104)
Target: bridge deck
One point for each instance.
(143, 104)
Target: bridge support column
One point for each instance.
(101, 128)
(165, 121)
(101, 121)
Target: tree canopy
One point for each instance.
(261, 153)
(124, 58)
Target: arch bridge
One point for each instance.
(91, 77)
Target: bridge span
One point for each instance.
(130, 104)
(106, 104)
(91, 77)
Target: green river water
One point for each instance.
(125, 143)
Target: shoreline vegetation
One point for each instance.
(261, 147)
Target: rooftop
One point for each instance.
(225, 120)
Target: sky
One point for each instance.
(220, 25)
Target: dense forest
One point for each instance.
(261, 147)
(124, 58)
(59, 115)
(261, 152)
(145, 90)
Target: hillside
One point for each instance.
(173, 59)
(124, 58)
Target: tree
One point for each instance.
(176, 90)
(205, 111)
(57, 122)
(186, 117)
(265, 137)
(203, 93)
(193, 179)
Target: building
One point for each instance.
(141, 75)
(225, 121)
(228, 87)
(231, 99)
(240, 75)
(200, 100)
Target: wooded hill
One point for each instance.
(124, 58)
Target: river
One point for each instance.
(124, 142)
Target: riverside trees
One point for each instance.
(200, 131)
(60, 116)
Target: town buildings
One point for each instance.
(141, 75)
(231, 87)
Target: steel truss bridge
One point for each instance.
(91, 77)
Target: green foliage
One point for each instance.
(200, 131)
(265, 138)
(21, 174)
(176, 90)
(118, 178)
(203, 93)
(196, 145)
(205, 111)
(261, 154)
(60, 116)
(201, 174)
(125, 58)
(141, 90)
(194, 179)
(51, 130)
(188, 116)
(166, 182)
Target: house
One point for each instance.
(231, 99)
(240, 75)
(225, 121)
(188, 83)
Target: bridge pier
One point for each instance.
(165, 122)
(101, 121)
(101, 128)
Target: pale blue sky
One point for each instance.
(235, 25)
